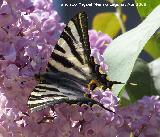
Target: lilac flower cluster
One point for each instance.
(142, 119)
(98, 43)
(28, 29)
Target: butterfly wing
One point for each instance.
(71, 54)
(45, 95)
(49, 94)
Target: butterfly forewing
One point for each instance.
(72, 51)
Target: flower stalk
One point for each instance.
(119, 14)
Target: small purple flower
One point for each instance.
(8, 51)
(98, 44)
(99, 41)
(6, 16)
(12, 71)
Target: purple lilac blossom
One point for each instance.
(28, 29)
(141, 118)
(99, 41)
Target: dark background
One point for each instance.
(66, 13)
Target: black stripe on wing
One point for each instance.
(66, 63)
(59, 48)
(81, 24)
(51, 68)
(69, 38)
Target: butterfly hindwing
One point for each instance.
(45, 94)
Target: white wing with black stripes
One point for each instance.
(72, 52)
(45, 95)
(56, 88)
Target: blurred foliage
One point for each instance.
(146, 10)
(116, 1)
(153, 46)
(155, 73)
(124, 101)
(143, 81)
(119, 1)
(107, 23)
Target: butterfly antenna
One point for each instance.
(131, 83)
(116, 82)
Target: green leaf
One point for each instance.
(116, 1)
(124, 100)
(119, 1)
(145, 10)
(153, 46)
(144, 83)
(155, 73)
(107, 23)
(122, 53)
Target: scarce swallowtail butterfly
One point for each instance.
(70, 68)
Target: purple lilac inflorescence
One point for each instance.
(141, 118)
(98, 43)
(28, 29)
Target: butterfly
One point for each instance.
(70, 68)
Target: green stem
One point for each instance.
(119, 15)
(120, 18)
